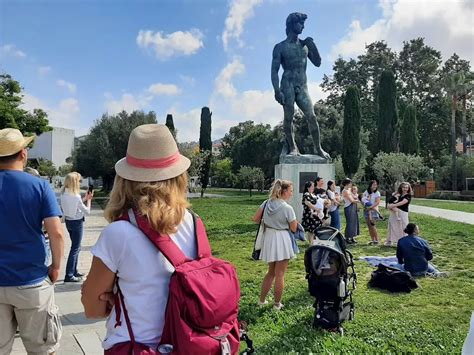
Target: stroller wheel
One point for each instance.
(351, 314)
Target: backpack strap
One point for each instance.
(165, 244)
(203, 246)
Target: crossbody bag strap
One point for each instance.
(260, 224)
(119, 306)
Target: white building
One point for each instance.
(56, 145)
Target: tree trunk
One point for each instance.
(453, 143)
(463, 127)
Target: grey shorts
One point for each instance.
(32, 310)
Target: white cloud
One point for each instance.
(131, 102)
(177, 43)
(164, 89)
(446, 26)
(128, 102)
(44, 71)
(69, 86)
(223, 83)
(63, 114)
(240, 11)
(11, 50)
(189, 80)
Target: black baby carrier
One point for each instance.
(331, 279)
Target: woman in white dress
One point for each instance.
(278, 218)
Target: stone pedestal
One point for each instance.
(299, 174)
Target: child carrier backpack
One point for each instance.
(201, 314)
(331, 279)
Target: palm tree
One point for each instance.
(466, 88)
(453, 83)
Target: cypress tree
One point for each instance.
(205, 146)
(387, 120)
(409, 143)
(170, 124)
(351, 132)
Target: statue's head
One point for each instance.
(294, 18)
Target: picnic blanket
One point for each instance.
(384, 260)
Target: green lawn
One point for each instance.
(448, 205)
(432, 319)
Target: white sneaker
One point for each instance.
(278, 306)
(262, 304)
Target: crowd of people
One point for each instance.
(152, 182)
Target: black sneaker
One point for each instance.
(78, 274)
(72, 279)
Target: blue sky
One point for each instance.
(79, 59)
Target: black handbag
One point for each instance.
(256, 253)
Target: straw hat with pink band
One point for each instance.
(152, 155)
(12, 141)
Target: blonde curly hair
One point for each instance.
(163, 203)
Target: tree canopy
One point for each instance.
(12, 115)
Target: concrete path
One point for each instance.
(456, 216)
(80, 335)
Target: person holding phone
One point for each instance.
(74, 210)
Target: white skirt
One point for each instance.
(276, 245)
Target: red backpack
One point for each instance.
(201, 314)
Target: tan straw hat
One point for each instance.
(152, 155)
(12, 141)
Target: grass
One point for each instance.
(432, 319)
(448, 205)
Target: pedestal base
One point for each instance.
(299, 174)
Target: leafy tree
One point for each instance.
(205, 144)
(351, 132)
(222, 173)
(387, 124)
(250, 178)
(170, 124)
(417, 69)
(234, 134)
(107, 143)
(11, 113)
(409, 143)
(259, 147)
(64, 169)
(46, 168)
(393, 168)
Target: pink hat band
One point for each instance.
(153, 163)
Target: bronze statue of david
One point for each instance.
(292, 54)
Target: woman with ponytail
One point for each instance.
(278, 219)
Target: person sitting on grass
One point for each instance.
(414, 253)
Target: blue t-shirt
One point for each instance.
(25, 201)
(414, 253)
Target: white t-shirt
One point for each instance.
(73, 207)
(371, 197)
(332, 197)
(144, 277)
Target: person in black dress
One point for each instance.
(310, 220)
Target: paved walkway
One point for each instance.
(457, 216)
(80, 335)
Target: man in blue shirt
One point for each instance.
(26, 281)
(414, 253)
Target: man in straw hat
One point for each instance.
(26, 281)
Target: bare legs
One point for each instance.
(276, 271)
(372, 231)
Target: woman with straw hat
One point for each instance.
(152, 181)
